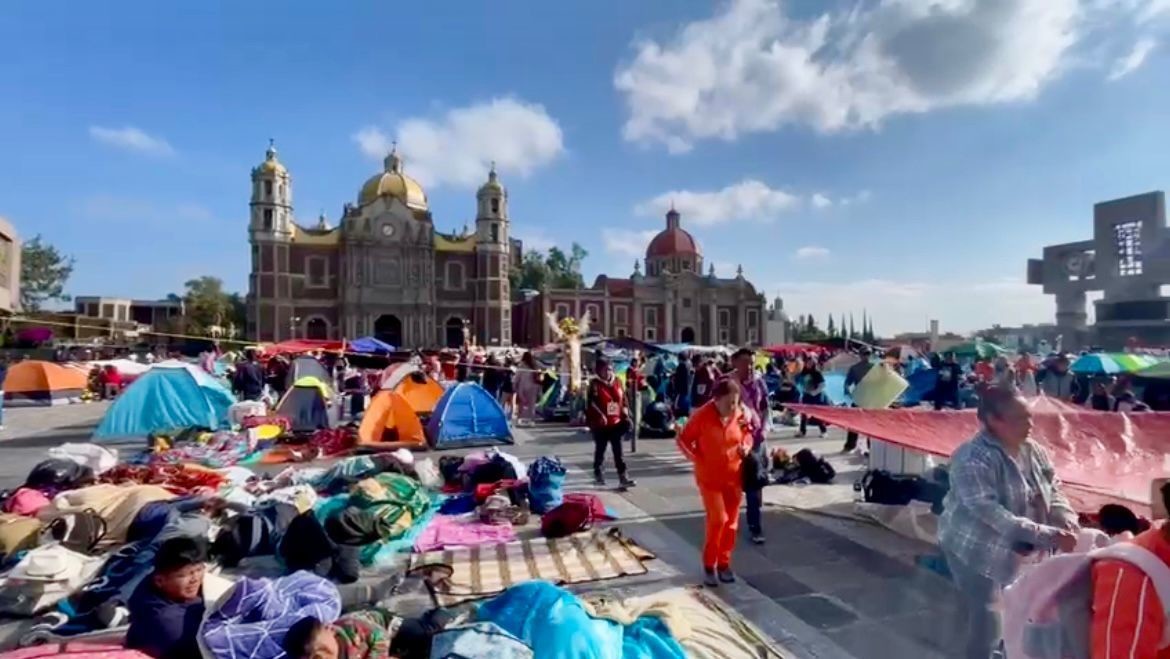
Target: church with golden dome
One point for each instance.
(384, 270)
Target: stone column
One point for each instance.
(712, 322)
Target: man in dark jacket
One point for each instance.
(609, 419)
(249, 380)
(854, 377)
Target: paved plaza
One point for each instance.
(824, 585)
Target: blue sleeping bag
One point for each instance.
(546, 483)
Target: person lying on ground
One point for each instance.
(167, 608)
(368, 634)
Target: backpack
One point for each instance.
(479, 639)
(1048, 611)
(879, 486)
(816, 469)
(80, 532)
(546, 481)
(576, 514)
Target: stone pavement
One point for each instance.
(823, 586)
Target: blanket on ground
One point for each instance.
(118, 505)
(255, 615)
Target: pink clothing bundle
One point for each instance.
(449, 531)
(26, 501)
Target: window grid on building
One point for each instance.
(1128, 242)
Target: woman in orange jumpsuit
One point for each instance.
(715, 439)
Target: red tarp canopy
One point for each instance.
(1102, 457)
(298, 346)
(790, 349)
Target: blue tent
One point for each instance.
(169, 396)
(370, 345)
(467, 415)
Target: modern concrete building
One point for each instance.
(1128, 260)
(153, 313)
(9, 268)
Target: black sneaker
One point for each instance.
(758, 538)
(626, 481)
(598, 479)
(709, 579)
(726, 575)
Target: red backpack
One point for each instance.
(577, 513)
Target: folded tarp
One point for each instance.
(1102, 457)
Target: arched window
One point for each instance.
(495, 206)
(454, 276)
(317, 328)
(562, 311)
(594, 314)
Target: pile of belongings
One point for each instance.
(804, 467)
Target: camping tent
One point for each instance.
(978, 350)
(309, 367)
(308, 405)
(391, 414)
(467, 415)
(37, 383)
(369, 345)
(169, 396)
(421, 392)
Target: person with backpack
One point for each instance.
(1129, 617)
(1005, 507)
(716, 439)
(608, 418)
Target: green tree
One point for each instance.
(554, 269)
(832, 328)
(852, 329)
(44, 271)
(532, 273)
(207, 305)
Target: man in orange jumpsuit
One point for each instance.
(715, 439)
(1128, 619)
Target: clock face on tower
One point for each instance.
(1074, 264)
(387, 230)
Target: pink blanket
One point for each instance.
(447, 531)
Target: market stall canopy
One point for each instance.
(1159, 371)
(299, 346)
(793, 349)
(978, 350)
(369, 345)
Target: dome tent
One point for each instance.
(308, 405)
(36, 383)
(169, 396)
(421, 391)
(467, 415)
(390, 423)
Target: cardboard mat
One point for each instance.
(470, 573)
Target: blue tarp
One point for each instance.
(467, 415)
(553, 622)
(370, 345)
(167, 397)
(922, 383)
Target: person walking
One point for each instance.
(705, 376)
(608, 418)
(715, 439)
(250, 378)
(681, 385)
(853, 377)
(528, 389)
(813, 382)
(1005, 507)
(754, 400)
(946, 388)
(1059, 382)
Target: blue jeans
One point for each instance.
(755, 498)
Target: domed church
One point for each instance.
(672, 302)
(383, 270)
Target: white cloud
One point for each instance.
(812, 253)
(458, 147)
(623, 242)
(534, 238)
(908, 306)
(752, 67)
(747, 200)
(131, 139)
(1134, 60)
(819, 200)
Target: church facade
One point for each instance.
(674, 301)
(383, 271)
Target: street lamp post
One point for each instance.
(292, 326)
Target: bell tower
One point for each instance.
(270, 230)
(493, 310)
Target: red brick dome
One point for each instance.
(673, 240)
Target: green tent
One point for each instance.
(978, 350)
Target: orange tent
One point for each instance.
(390, 423)
(421, 391)
(37, 383)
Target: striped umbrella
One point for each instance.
(1112, 363)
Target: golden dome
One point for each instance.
(271, 164)
(393, 183)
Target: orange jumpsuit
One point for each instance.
(1128, 620)
(715, 449)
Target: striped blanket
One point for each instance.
(470, 573)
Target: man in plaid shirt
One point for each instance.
(1004, 506)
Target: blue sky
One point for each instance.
(906, 156)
